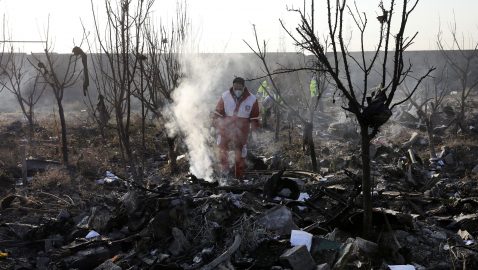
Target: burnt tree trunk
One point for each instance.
(366, 181)
(461, 117)
(31, 127)
(64, 143)
(308, 142)
(28, 114)
(143, 126)
(125, 145)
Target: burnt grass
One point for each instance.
(173, 221)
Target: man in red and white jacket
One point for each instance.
(236, 113)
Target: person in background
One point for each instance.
(265, 101)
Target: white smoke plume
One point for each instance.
(194, 103)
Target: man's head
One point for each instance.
(238, 86)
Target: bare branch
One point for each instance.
(414, 88)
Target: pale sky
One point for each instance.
(221, 25)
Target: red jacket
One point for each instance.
(233, 116)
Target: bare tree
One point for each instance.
(3, 62)
(121, 42)
(428, 102)
(58, 76)
(162, 69)
(100, 112)
(25, 87)
(463, 63)
(371, 110)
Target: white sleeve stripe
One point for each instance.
(218, 113)
(255, 118)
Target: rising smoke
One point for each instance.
(191, 112)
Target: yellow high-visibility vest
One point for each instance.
(313, 88)
(262, 89)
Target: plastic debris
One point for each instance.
(303, 196)
(92, 234)
(298, 238)
(402, 267)
(110, 178)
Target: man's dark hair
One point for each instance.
(238, 80)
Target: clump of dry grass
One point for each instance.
(252, 233)
(9, 157)
(51, 178)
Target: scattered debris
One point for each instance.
(92, 234)
(280, 217)
(298, 238)
(299, 258)
(108, 179)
